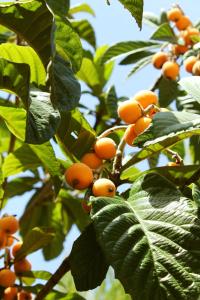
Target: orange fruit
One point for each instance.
(16, 248)
(130, 134)
(159, 59)
(179, 49)
(174, 14)
(10, 293)
(7, 278)
(196, 68)
(92, 160)
(103, 187)
(22, 266)
(3, 239)
(183, 23)
(105, 148)
(145, 98)
(9, 224)
(79, 176)
(189, 34)
(23, 295)
(170, 70)
(189, 63)
(142, 124)
(129, 111)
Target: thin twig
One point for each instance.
(111, 130)
(117, 164)
(55, 278)
(175, 155)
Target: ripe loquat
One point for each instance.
(10, 293)
(174, 14)
(189, 63)
(103, 187)
(3, 238)
(196, 68)
(130, 135)
(179, 49)
(145, 98)
(189, 34)
(9, 224)
(7, 278)
(142, 124)
(23, 295)
(159, 59)
(79, 176)
(129, 111)
(105, 148)
(183, 23)
(172, 164)
(91, 160)
(16, 248)
(22, 266)
(170, 70)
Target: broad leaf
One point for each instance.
(111, 100)
(136, 9)
(126, 48)
(191, 86)
(65, 89)
(61, 296)
(167, 129)
(59, 8)
(85, 31)
(168, 91)
(75, 135)
(87, 262)
(135, 57)
(25, 55)
(196, 194)
(148, 242)
(36, 239)
(164, 33)
(19, 186)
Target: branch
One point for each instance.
(55, 278)
(111, 130)
(117, 164)
(175, 155)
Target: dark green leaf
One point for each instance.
(75, 135)
(164, 33)
(135, 57)
(65, 93)
(149, 242)
(36, 239)
(19, 186)
(136, 9)
(196, 194)
(168, 90)
(111, 102)
(87, 262)
(85, 31)
(194, 148)
(123, 48)
(59, 7)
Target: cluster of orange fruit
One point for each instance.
(132, 112)
(9, 225)
(186, 39)
(80, 175)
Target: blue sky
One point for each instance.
(112, 24)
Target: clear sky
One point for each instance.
(112, 24)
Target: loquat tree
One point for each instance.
(80, 164)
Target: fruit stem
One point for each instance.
(176, 156)
(111, 130)
(55, 278)
(150, 107)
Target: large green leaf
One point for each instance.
(164, 33)
(67, 42)
(61, 296)
(87, 262)
(168, 91)
(191, 86)
(194, 148)
(25, 55)
(65, 89)
(136, 9)
(126, 48)
(59, 8)
(75, 134)
(149, 242)
(36, 239)
(19, 186)
(167, 129)
(14, 78)
(85, 31)
(135, 57)
(33, 21)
